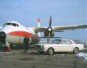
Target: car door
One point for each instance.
(65, 46)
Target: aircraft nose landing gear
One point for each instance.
(3, 41)
(2, 37)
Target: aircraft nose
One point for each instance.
(2, 37)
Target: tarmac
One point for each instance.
(32, 59)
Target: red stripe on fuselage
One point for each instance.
(20, 33)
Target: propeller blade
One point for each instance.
(50, 21)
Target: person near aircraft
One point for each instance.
(26, 43)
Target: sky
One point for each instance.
(63, 12)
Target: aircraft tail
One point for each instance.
(39, 26)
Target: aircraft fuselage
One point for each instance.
(15, 33)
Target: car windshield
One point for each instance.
(56, 41)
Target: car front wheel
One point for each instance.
(50, 51)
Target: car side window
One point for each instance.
(66, 42)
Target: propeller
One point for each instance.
(50, 21)
(49, 31)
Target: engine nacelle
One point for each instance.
(46, 33)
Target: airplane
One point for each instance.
(12, 32)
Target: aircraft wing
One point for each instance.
(39, 29)
(62, 28)
(73, 27)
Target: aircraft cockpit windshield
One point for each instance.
(12, 24)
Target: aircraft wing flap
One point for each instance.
(62, 28)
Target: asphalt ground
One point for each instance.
(32, 59)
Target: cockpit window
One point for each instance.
(13, 24)
(8, 23)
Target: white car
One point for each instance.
(60, 45)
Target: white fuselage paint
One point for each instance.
(14, 38)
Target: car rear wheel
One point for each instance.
(50, 51)
(76, 50)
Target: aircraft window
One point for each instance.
(7, 24)
(13, 24)
(17, 25)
